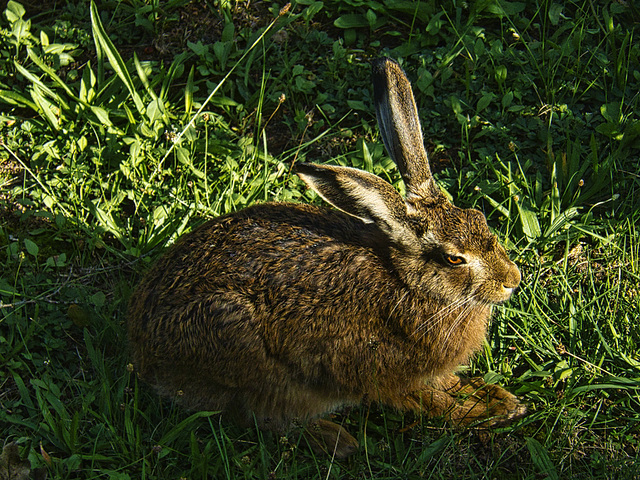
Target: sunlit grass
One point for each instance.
(530, 113)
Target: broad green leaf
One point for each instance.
(456, 106)
(504, 8)
(561, 220)
(154, 111)
(21, 30)
(350, 36)
(159, 215)
(478, 48)
(198, 48)
(433, 449)
(172, 434)
(25, 395)
(484, 101)
(31, 247)
(507, 98)
(356, 105)
(501, 74)
(142, 75)
(352, 20)
(611, 112)
(48, 200)
(14, 12)
(555, 11)
(424, 11)
(44, 39)
(540, 458)
(528, 220)
(221, 100)
(102, 115)
(228, 32)
(36, 82)
(371, 18)
(311, 10)
(176, 69)
(222, 51)
(499, 207)
(45, 107)
(107, 221)
(603, 386)
(610, 130)
(631, 134)
(13, 98)
(368, 160)
(98, 299)
(59, 49)
(57, 260)
(49, 71)
(185, 158)
(87, 83)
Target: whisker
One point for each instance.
(466, 325)
(399, 302)
(462, 318)
(428, 325)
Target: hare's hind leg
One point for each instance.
(297, 407)
(463, 401)
(326, 437)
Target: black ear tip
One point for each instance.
(377, 64)
(385, 73)
(379, 77)
(302, 167)
(310, 169)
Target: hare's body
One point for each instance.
(232, 333)
(282, 312)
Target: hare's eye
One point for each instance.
(454, 260)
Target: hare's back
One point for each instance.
(272, 251)
(259, 242)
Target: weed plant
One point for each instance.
(126, 124)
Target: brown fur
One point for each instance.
(283, 312)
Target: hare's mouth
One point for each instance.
(503, 294)
(495, 296)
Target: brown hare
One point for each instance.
(280, 313)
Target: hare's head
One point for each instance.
(437, 248)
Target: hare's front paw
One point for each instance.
(463, 401)
(490, 403)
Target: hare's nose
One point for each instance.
(513, 278)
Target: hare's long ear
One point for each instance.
(361, 195)
(400, 128)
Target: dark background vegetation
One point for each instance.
(112, 146)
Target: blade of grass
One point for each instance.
(115, 59)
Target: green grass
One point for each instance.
(112, 146)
